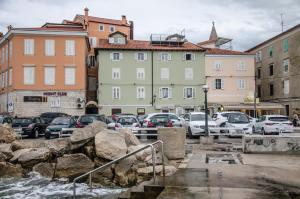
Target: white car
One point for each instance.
(268, 124)
(221, 117)
(240, 124)
(126, 122)
(154, 120)
(195, 123)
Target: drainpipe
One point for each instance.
(152, 77)
(7, 72)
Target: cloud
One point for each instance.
(246, 22)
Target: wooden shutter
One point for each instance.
(170, 93)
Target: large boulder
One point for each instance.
(45, 169)
(125, 174)
(9, 170)
(142, 154)
(3, 157)
(81, 136)
(34, 156)
(73, 165)
(130, 138)
(110, 144)
(6, 150)
(17, 154)
(7, 134)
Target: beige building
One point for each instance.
(277, 70)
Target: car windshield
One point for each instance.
(279, 119)
(199, 117)
(238, 119)
(127, 120)
(23, 120)
(61, 121)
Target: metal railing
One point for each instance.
(101, 168)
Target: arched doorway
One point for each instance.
(91, 108)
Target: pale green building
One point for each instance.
(140, 77)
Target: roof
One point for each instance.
(275, 37)
(146, 45)
(218, 51)
(104, 20)
(52, 28)
(117, 32)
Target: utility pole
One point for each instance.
(281, 17)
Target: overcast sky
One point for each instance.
(247, 22)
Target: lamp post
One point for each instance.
(205, 90)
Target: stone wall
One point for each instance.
(271, 144)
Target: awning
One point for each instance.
(91, 103)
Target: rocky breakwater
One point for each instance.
(86, 149)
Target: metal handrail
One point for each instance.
(153, 152)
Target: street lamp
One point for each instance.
(205, 90)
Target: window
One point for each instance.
(116, 56)
(164, 73)
(188, 56)
(271, 69)
(286, 87)
(101, 27)
(141, 56)
(140, 73)
(49, 47)
(140, 92)
(286, 64)
(6, 78)
(188, 73)
(70, 75)
(92, 61)
(111, 28)
(93, 42)
(271, 51)
(10, 76)
(258, 73)
(165, 93)
(49, 75)
(217, 66)
(28, 46)
(116, 74)
(258, 90)
(271, 89)
(189, 92)
(54, 101)
(29, 75)
(285, 44)
(70, 48)
(241, 66)
(2, 56)
(165, 56)
(218, 84)
(241, 84)
(116, 93)
(258, 56)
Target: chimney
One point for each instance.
(131, 30)
(86, 18)
(124, 20)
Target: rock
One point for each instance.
(7, 134)
(169, 170)
(89, 151)
(44, 169)
(6, 150)
(130, 138)
(158, 160)
(110, 144)
(81, 136)
(3, 157)
(73, 165)
(34, 156)
(16, 154)
(125, 175)
(142, 154)
(9, 170)
(106, 176)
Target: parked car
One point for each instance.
(221, 117)
(6, 119)
(126, 122)
(195, 123)
(141, 119)
(241, 122)
(49, 116)
(85, 120)
(58, 124)
(154, 120)
(29, 126)
(269, 124)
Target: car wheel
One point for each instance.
(263, 132)
(36, 133)
(222, 125)
(190, 133)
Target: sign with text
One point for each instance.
(55, 93)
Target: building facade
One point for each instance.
(277, 70)
(43, 69)
(141, 77)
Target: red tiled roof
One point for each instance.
(146, 45)
(104, 20)
(218, 51)
(53, 28)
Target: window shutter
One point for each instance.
(145, 56)
(137, 92)
(160, 92)
(183, 56)
(136, 56)
(184, 92)
(49, 73)
(121, 55)
(69, 76)
(222, 83)
(169, 56)
(194, 92)
(170, 93)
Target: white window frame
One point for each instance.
(114, 29)
(217, 66)
(286, 87)
(143, 56)
(241, 66)
(28, 46)
(140, 92)
(116, 93)
(101, 25)
(242, 84)
(140, 73)
(116, 71)
(165, 56)
(48, 80)
(189, 73)
(286, 61)
(169, 92)
(68, 82)
(185, 93)
(70, 48)
(50, 47)
(192, 56)
(26, 80)
(55, 101)
(112, 56)
(164, 73)
(221, 84)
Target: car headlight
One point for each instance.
(47, 129)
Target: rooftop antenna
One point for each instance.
(281, 17)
